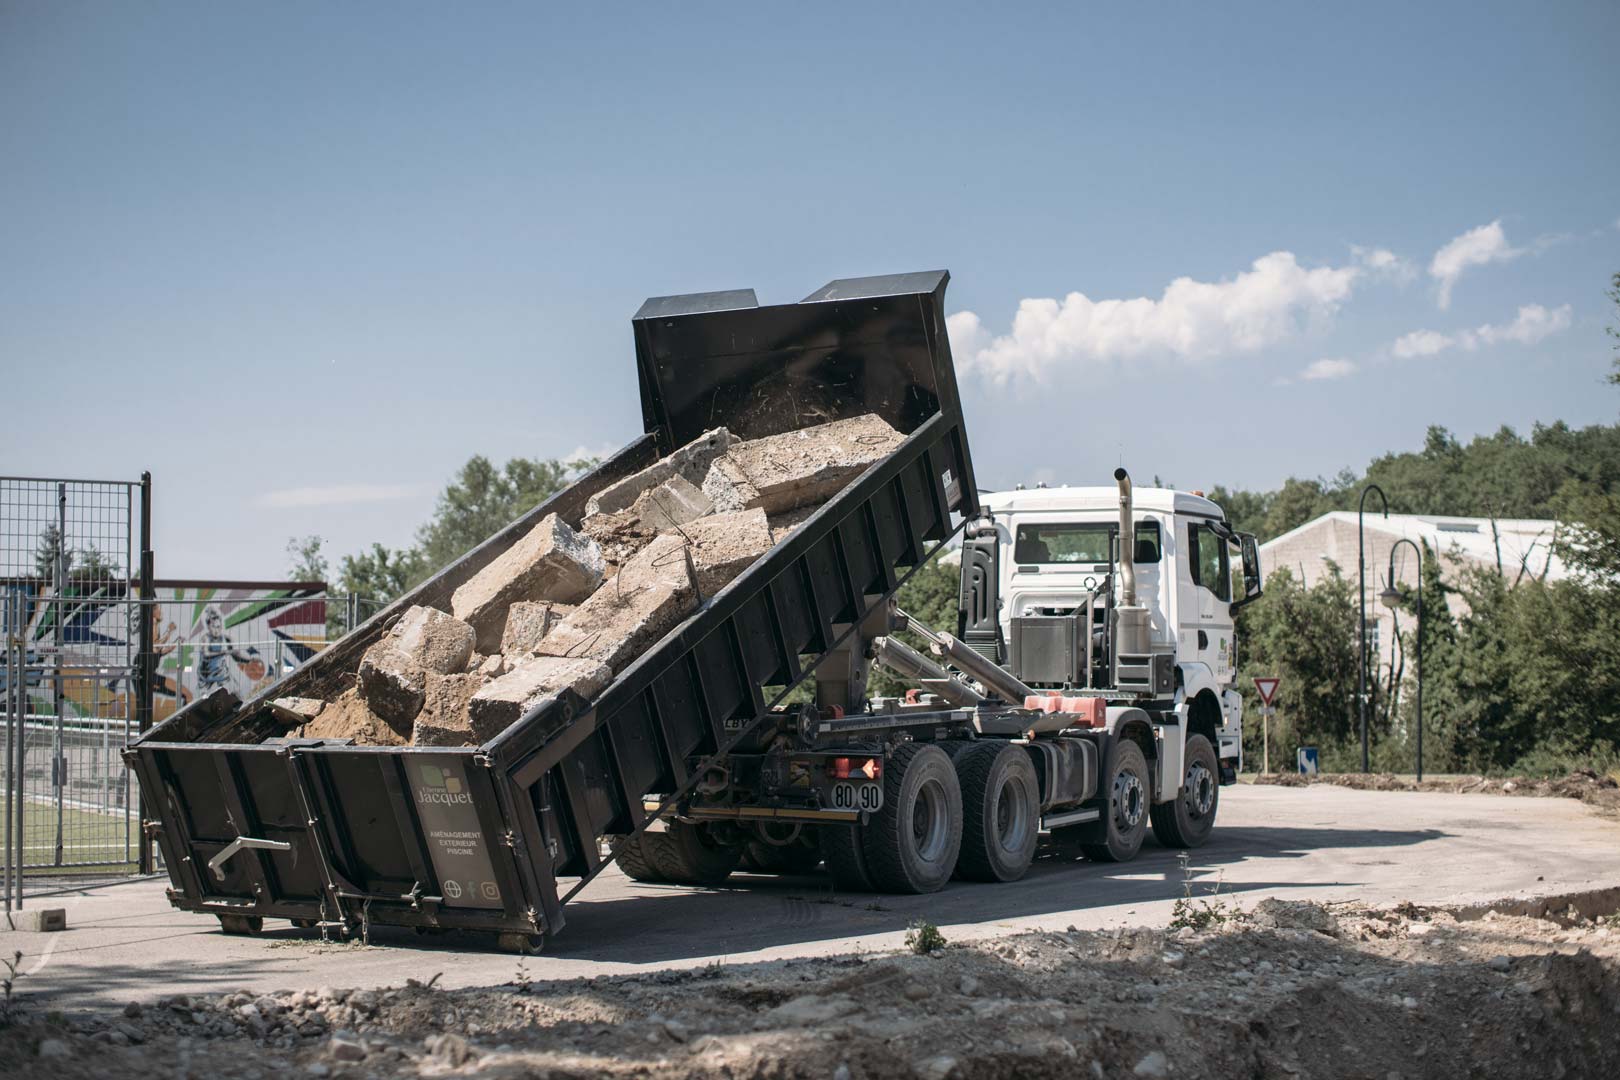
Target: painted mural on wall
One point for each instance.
(241, 637)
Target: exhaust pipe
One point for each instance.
(1127, 541)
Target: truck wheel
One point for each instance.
(634, 859)
(1000, 811)
(688, 854)
(912, 843)
(844, 850)
(520, 943)
(1125, 819)
(770, 852)
(1187, 821)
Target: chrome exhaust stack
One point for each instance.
(1132, 632)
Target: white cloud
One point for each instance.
(1192, 320)
(1533, 323)
(1476, 247)
(1328, 368)
(1382, 262)
(336, 494)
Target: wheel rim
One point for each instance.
(1200, 795)
(1012, 815)
(929, 834)
(1129, 799)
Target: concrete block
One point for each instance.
(691, 461)
(493, 667)
(297, 711)
(39, 920)
(724, 545)
(443, 720)
(797, 468)
(552, 562)
(500, 704)
(648, 596)
(390, 685)
(392, 678)
(674, 502)
(527, 622)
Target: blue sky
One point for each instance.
(301, 260)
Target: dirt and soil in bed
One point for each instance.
(1292, 989)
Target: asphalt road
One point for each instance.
(1325, 843)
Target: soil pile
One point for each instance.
(1294, 990)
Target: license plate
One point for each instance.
(857, 797)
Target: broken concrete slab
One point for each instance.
(672, 503)
(297, 711)
(528, 622)
(38, 920)
(443, 720)
(500, 704)
(494, 667)
(691, 461)
(783, 524)
(392, 678)
(434, 641)
(787, 471)
(724, 545)
(551, 562)
(347, 717)
(390, 685)
(648, 596)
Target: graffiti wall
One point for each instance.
(238, 635)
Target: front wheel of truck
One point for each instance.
(911, 844)
(1125, 816)
(1188, 819)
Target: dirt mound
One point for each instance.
(1600, 792)
(1396, 992)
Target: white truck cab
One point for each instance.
(1064, 593)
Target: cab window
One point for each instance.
(1088, 542)
(1208, 560)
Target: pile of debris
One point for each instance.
(570, 605)
(1294, 990)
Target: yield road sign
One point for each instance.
(1267, 689)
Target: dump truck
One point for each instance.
(744, 735)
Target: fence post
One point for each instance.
(147, 661)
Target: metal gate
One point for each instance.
(75, 584)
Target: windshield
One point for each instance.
(1087, 542)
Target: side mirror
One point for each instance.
(1251, 570)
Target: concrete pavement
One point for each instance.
(1323, 843)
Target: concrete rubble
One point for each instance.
(566, 608)
(797, 468)
(552, 562)
(393, 673)
(501, 703)
(691, 462)
(528, 622)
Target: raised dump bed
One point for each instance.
(497, 837)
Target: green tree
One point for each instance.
(305, 559)
(481, 500)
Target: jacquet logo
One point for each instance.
(440, 787)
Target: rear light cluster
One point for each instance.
(845, 768)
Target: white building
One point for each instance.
(1521, 548)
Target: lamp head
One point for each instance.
(1389, 597)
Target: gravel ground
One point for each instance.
(1293, 989)
(1600, 792)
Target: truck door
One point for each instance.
(1209, 568)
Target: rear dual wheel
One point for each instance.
(683, 853)
(911, 844)
(1001, 816)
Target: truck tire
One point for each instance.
(1001, 813)
(800, 854)
(688, 854)
(1187, 821)
(1127, 786)
(912, 842)
(844, 850)
(634, 859)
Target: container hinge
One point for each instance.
(509, 838)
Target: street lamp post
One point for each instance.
(1361, 605)
(1392, 600)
